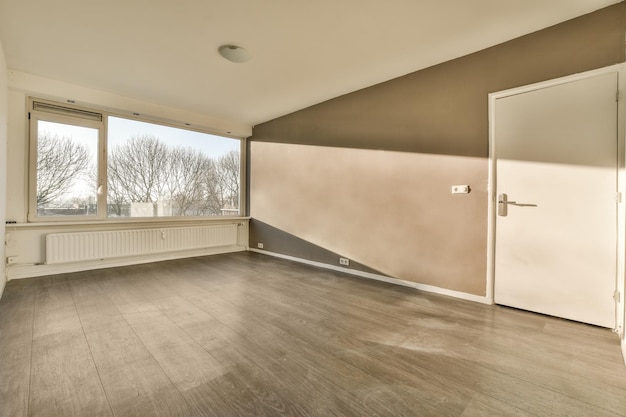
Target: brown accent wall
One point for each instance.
(440, 111)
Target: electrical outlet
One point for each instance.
(460, 189)
(344, 261)
(11, 260)
(259, 245)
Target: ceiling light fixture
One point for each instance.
(234, 53)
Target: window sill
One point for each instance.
(128, 222)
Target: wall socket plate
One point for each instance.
(259, 245)
(460, 189)
(344, 261)
(11, 260)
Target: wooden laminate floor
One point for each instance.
(249, 335)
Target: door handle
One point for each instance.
(503, 203)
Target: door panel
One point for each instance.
(556, 159)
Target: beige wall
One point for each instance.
(378, 208)
(392, 211)
(3, 161)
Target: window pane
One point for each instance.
(156, 170)
(67, 170)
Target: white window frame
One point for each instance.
(66, 118)
(73, 117)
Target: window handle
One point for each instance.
(99, 190)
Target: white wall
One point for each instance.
(26, 241)
(17, 161)
(22, 85)
(3, 159)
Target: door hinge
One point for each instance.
(618, 197)
(617, 296)
(618, 95)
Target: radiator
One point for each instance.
(84, 246)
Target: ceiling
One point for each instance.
(304, 52)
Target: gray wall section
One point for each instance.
(277, 241)
(441, 111)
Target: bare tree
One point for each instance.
(138, 171)
(145, 170)
(60, 163)
(191, 174)
(227, 179)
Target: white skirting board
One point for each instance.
(31, 271)
(377, 277)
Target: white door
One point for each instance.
(555, 153)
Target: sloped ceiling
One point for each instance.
(304, 52)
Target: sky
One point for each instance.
(86, 136)
(120, 130)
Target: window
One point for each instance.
(156, 170)
(148, 169)
(65, 150)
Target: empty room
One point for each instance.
(286, 208)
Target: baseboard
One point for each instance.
(377, 277)
(624, 349)
(31, 271)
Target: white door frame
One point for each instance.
(620, 69)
